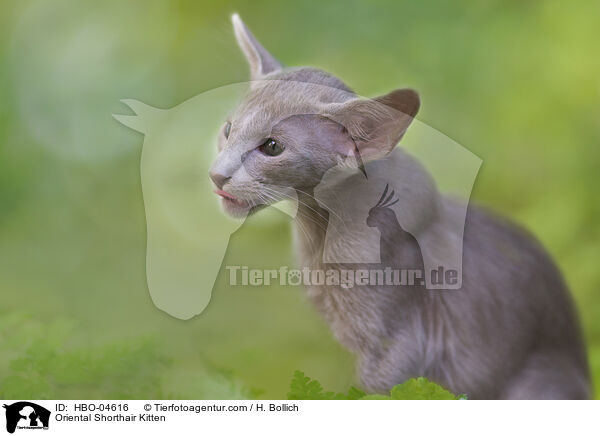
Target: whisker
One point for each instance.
(328, 207)
(270, 191)
(297, 199)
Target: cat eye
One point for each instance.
(227, 129)
(271, 147)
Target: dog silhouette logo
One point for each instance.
(26, 415)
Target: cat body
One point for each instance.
(509, 331)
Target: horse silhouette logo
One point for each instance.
(26, 415)
(186, 247)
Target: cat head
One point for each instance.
(293, 125)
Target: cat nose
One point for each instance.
(218, 179)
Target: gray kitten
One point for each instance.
(510, 331)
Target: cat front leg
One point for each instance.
(395, 362)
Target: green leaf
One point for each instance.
(420, 389)
(355, 394)
(305, 388)
(376, 397)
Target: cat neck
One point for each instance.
(311, 228)
(356, 316)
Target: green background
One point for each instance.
(517, 83)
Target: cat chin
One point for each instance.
(235, 209)
(239, 208)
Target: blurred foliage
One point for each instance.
(36, 364)
(517, 83)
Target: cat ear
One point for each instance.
(260, 60)
(376, 125)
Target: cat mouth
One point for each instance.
(234, 206)
(231, 198)
(226, 195)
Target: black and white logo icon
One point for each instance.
(26, 415)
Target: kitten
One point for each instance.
(509, 332)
